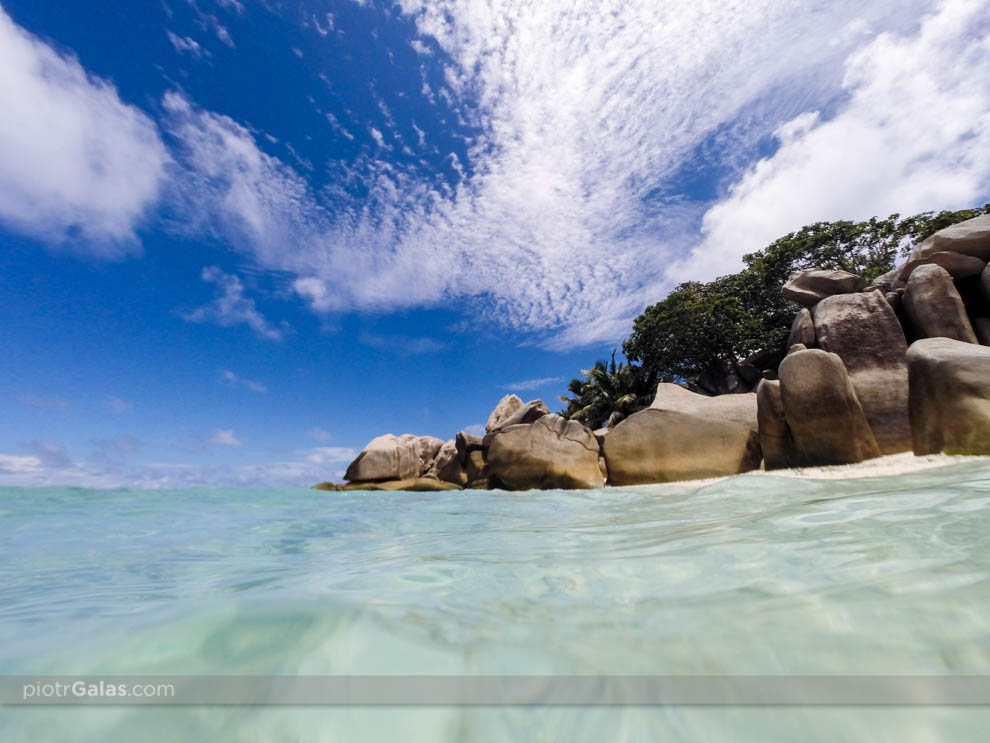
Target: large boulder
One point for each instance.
(809, 287)
(957, 265)
(985, 284)
(505, 408)
(950, 396)
(428, 448)
(466, 443)
(971, 237)
(822, 411)
(739, 408)
(934, 306)
(776, 439)
(387, 457)
(549, 453)
(863, 330)
(412, 485)
(528, 413)
(802, 329)
(667, 445)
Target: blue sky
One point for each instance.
(240, 238)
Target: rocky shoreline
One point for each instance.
(899, 364)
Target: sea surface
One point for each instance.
(749, 575)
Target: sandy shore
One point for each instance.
(892, 464)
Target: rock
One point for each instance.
(324, 486)
(528, 413)
(934, 306)
(809, 287)
(412, 485)
(981, 326)
(776, 440)
(894, 300)
(802, 329)
(749, 374)
(550, 453)
(474, 466)
(428, 447)
(822, 411)
(971, 237)
(465, 443)
(957, 265)
(796, 347)
(864, 332)
(505, 408)
(739, 408)
(454, 472)
(447, 452)
(985, 284)
(950, 396)
(888, 282)
(480, 485)
(387, 457)
(656, 445)
(770, 374)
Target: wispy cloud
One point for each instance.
(231, 307)
(228, 377)
(117, 405)
(186, 45)
(401, 345)
(75, 161)
(44, 402)
(532, 384)
(319, 434)
(224, 437)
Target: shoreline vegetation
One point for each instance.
(820, 355)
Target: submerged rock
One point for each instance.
(412, 485)
(822, 411)
(667, 445)
(549, 453)
(950, 396)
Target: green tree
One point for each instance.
(702, 330)
(607, 390)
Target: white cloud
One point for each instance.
(78, 166)
(476, 429)
(231, 307)
(912, 137)
(186, 45)
(319, 434)
(14, 464)
(532, 384)
(567, 216)
(401, 345)
(224, 437)
(228, 377)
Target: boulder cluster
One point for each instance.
(873, 369)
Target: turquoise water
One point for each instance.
(751, 575)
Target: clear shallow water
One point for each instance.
(752, 575)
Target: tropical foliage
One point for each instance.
(701, 330)
(608, 392)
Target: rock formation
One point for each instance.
(809, 287)
(950, 396)
(548, 453)
(934, 306)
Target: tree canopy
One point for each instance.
(701, 330)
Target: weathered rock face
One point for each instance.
(971, 237)
(934, 306)
(739, 408)
(505, 408)
(549, 453)
(950, 396)
(428, 448)
(466, 442)
(985, 284)
(387, 457)
(448, 466)
(528, 413)
(981, 326)
(412, 485)
(802, 329)
(863, 330)
(776, 440)
(822, 410)
(957, 265)
(807, 288)
(666, 445)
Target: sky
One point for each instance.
(241, 238)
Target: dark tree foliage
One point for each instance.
(608, 390)
(701, 328)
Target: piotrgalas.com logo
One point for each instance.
(94, 690)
